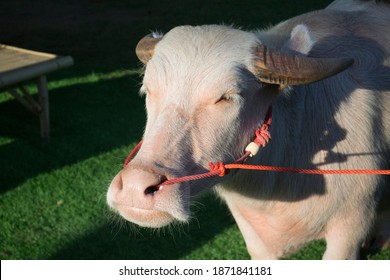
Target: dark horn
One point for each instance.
(145, 48)
(277, 68)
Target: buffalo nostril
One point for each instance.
(153, 189)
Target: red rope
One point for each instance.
(262, 138)
(132, 154)
(262, 135)
(306, 171)
(221, 169)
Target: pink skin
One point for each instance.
(186, 144)
(204, 103)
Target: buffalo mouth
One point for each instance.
(149, 218)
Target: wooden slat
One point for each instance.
(23, 101)
(17, 65)
(12, 58)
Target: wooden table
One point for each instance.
(19, 65)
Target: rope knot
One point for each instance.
(219, 166)
(262, 136)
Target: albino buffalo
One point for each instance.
(326, 74)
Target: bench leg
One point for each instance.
(44, 114)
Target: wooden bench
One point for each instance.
(19, 65)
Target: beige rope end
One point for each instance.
(253, 148)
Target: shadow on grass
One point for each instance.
(110, 242)
(86, 119)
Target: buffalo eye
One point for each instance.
(225, 98)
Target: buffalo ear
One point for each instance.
(274, 67)
(300, 42)
(145, 47)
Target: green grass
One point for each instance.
(52, 197)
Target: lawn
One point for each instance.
(52, 197)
